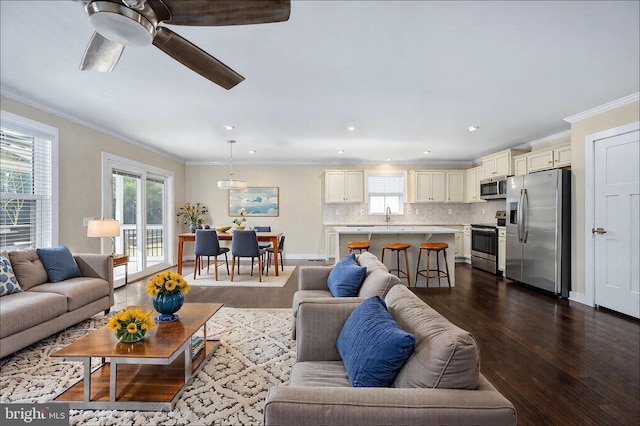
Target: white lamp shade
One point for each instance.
(232, 184)
(103, 228)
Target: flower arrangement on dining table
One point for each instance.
(192, 214)
(238, 220)
(130, 325)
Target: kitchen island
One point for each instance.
(379, 235)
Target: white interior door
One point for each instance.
(617, 223)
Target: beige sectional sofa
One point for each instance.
(312, 283)
(439, 383)
(44, 308)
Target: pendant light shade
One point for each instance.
(231, 183)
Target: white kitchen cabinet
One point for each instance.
(330, 242)
(342, 186)
(428, 186)
(502, 249)
(466, 237)
(455, 186)
(562, 156)
(500, 163)
(520, 165)
(459, 245)
(549, 159)
(473, 185)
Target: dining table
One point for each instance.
(272, 237)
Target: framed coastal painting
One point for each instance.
(256, 201)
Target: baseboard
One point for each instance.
(580, 298)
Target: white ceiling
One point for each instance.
(410, 76)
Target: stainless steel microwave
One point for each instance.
(493, 188)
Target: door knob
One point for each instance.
(598, 231)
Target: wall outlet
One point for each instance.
(361, 212)
(417, 211)
(408, 211)
(337, 212)
(450, 211)
(483, 211)
(85, 221)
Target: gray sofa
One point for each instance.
(312, 283)
(44, 308)
(440, 383)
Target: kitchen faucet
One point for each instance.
(388, 212)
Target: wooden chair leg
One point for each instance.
(428, 259)
(215, 266)
(259, 268)
(406, 261)
(195, 267)
(446, 265)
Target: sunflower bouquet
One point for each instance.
(130, 325)
(167, 283)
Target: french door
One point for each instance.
(138, 196)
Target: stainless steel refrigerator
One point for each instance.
(539, 230)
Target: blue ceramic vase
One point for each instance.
(167, 305)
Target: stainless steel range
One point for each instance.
(484, 244)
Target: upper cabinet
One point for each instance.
(436, 186)
(500, 163)
(551, 158)
(343, 186)
(455, 186)
(474, 175)
(428, 186)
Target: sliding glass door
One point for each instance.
(137, 197)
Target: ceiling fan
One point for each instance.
(120, 23)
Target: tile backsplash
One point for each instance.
(418, 213)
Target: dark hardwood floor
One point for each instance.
(557, 361)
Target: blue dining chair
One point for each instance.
(245, 244)
(207, 244)
(263, 245)
(269, 251)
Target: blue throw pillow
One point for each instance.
(8, 282)
(346, 277)
(59, 263)
(372, 345)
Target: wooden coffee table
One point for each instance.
(147, 375)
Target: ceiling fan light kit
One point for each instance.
(136, 23)
(120, 24)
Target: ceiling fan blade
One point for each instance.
(101, 54)
(227, 12)
(195, 58)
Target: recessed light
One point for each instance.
(351, 128)
(229, 127)
(427, 152)
(253, 151)
(389, 159)
(340, 151)
(472, 128)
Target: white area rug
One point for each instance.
(255, 353)
(242, 280)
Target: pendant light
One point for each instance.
(231, 183)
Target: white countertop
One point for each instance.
(395, 229)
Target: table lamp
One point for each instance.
(105, 228)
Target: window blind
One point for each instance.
(26, 187)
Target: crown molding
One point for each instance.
(544, 140)
(29, 102)
(603, 108)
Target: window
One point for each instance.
(386, 190)
(28, 183)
